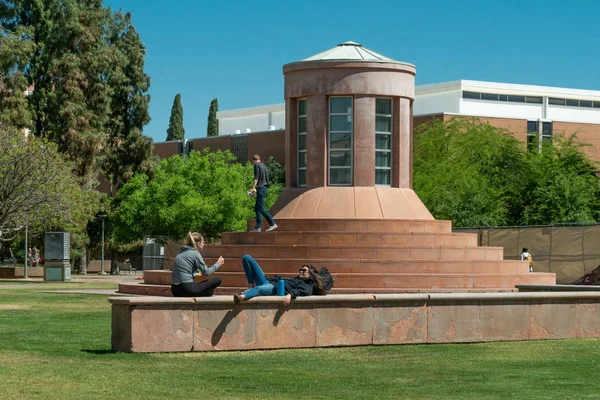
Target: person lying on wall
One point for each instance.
(307, 282)
(188, 265)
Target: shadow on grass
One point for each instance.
(99, 351)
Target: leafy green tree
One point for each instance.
(276, 171)
(205, 192)
(563, 184)
(469, 172)
(16, 49)
(175, 130)
(37, 188)
(128, 151)
(212, 128)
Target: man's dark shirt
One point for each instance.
(261, 175)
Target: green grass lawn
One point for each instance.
(57, 346)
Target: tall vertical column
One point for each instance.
(316, 140)
(364, 140)
(291, 142)
(405, 142)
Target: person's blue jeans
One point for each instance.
(255, 276)
(259, 207)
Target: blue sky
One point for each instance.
(235, 50)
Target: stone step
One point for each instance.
(356, 252)
(351, 238)
(359, 225)
(165, 290)
(402, 281)
(291, 266)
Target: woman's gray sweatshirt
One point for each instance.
(188, 264)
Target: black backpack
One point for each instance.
(325, 278)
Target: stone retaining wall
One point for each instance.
(153, 324)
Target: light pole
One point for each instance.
(102, 216)
(26, 252)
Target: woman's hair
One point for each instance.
(192, 238)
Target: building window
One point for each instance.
(383, 141)
(535, 138)
(302, 142)
(532, 135)
(546, 132)
(340, 140)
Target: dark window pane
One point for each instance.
(503, 97)
(341, 105)
(340, 176)
(489, 96)
(517, 99)
(340, 141)
(532, 126)
(382, 177)
(573, 103)
(383, 106)
(533, 99)
(547, 128)
(301, 142)
(531, 143)
(585, 103)
(556, 102)
(597, 104)
(302, 159)
(471, 95)
(340, 158)
(383, 142)
(301, 107)
(302, 124)
(340, 123)
(382, 159)
(301, 177)
(383, 124)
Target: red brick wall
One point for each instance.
(587, 133)
(267, 144)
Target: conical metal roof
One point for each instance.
(351, 51)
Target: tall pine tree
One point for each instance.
(213, 124)
(175, 130)
(128, 151)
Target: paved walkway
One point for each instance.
(90, 278)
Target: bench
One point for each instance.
(170, 324)
(125, 267)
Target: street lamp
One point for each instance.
(26, 252)
(102, 216)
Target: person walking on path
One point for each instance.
(526, 256)
(260, 190)
(189, 264)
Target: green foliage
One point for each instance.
(128, 151)
(478, 175)
(204, 192)
(37, 188)
(276, 171)
(212, 128)
(175, 130)
(563, 184)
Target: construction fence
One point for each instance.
(569, 251)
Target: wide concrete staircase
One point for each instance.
(364, 256)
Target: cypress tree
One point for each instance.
(175, 130)
(213, 124)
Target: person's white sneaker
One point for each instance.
(254, 230)
(269, 229)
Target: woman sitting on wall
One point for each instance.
(188, 264)
(302, 285)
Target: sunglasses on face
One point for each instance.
(303, 270)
